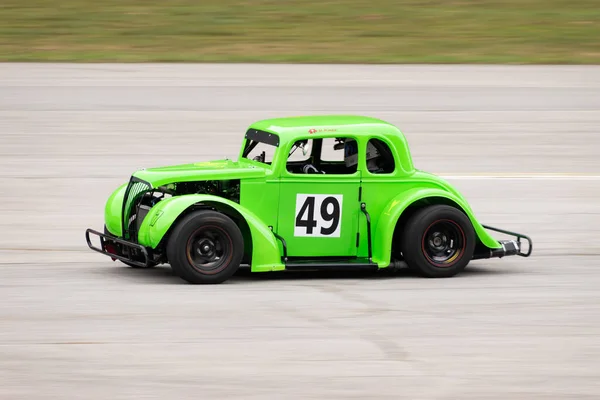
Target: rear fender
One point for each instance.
(266, 251)
(384, 231)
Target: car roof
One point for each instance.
(289, 128)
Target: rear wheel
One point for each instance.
(438, 241)
(205, 247)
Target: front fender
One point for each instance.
(113, 210)
(384, 231)
(266, 253)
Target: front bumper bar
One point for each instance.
(512, 247)
(129, 252)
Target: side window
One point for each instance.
(380, 159)
(301, 151)
(300, 156)
(332, 150)
(337, 156)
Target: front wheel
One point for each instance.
(438, 241)
(205, 247)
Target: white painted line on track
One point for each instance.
(532, 176)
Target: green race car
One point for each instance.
(305, 193)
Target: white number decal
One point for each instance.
(318, 215)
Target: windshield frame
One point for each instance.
(255, 136)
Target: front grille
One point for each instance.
(133, 196)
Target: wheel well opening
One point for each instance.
(231, 212)
(409, 212)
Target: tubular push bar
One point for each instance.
(510, 247)
(125, 244)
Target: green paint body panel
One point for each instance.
(266, 251)
(209, 170)
(113, 210)
(271, 196)
(384, 229)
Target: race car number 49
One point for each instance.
(318, 215)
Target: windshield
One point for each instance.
(260, 146)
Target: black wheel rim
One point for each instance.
(209, 249)
(443, 243)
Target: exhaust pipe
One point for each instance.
(509, 248)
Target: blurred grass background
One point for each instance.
(357, 31)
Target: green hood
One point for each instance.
(208, 170)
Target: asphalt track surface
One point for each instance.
(521, 143)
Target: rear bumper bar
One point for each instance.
(130, 252)
(512, 247)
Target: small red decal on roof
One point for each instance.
(311, 131)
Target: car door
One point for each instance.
(318, 212)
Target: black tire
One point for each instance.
(438, 241)
(205, 236)
(151, 264)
